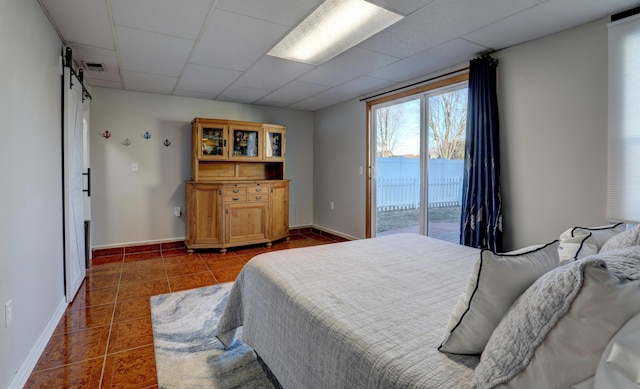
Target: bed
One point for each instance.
(377, 313)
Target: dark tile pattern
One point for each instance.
(104, 339)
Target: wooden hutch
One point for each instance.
(237, 194)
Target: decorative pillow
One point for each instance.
(576, 247)
(624, 239)
(496, 281)
(573, 246)
(554, 335)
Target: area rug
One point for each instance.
(187, 353)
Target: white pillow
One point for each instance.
(575, 247)
(555, 334)
(624, 239)
(496, 281)
(619, 365)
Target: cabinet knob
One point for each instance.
(258, 197)
(236, 190)
(258, 189)
(236, 199)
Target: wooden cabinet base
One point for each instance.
(223, 214)
(223, 247)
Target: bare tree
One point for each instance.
(447, 124)
(386, 130)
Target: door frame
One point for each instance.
(370, 150)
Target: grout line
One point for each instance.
(113, 315)
(164, 266)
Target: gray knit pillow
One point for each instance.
(624, 239)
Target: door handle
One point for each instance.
(88, 174)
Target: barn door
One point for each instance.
(74, 240)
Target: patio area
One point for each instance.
(444, 222)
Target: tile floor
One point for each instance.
(105, 338)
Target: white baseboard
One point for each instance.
(140, 243)
(23, 373)
(336, 233)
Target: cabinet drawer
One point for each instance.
(234, 198)
(258, 190)
(235, 190)
(258, 197)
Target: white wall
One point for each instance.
(339, 147)
(31, 263)
(553, 114)
(130, 207)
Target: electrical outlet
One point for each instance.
(332, 205)
(177, 211)
(8, 313)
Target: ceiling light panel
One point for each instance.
(334, 27)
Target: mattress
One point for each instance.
(361, 314)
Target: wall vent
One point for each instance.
(93, 66)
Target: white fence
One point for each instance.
(404, 193)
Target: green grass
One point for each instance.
(391, 220)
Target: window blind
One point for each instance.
(623, 170)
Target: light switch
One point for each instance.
(134, 166)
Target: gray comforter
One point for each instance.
(361, 314)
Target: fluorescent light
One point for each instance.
(334, 27)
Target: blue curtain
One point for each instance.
(481, 220)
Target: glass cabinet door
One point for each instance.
(274, 142)
(246, 143)
(213, 142)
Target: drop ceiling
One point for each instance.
(216, 49)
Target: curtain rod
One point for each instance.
(415, 83)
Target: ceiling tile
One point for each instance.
(196, 95)
(285, 12)
(271, 73)
(544, 19)
(273, 103)
(152, 83)
(104, 83)
(294, 91)
(313, 104)
(82, 21)
(146, 52)
(233, 41)
(351, 64)
(178, 18)
(354, 88)
(403, 7)
(239, 94)
(439, 22)
(213, 81)
(428, 61)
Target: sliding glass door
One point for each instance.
(417, 170)
(397, 128)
